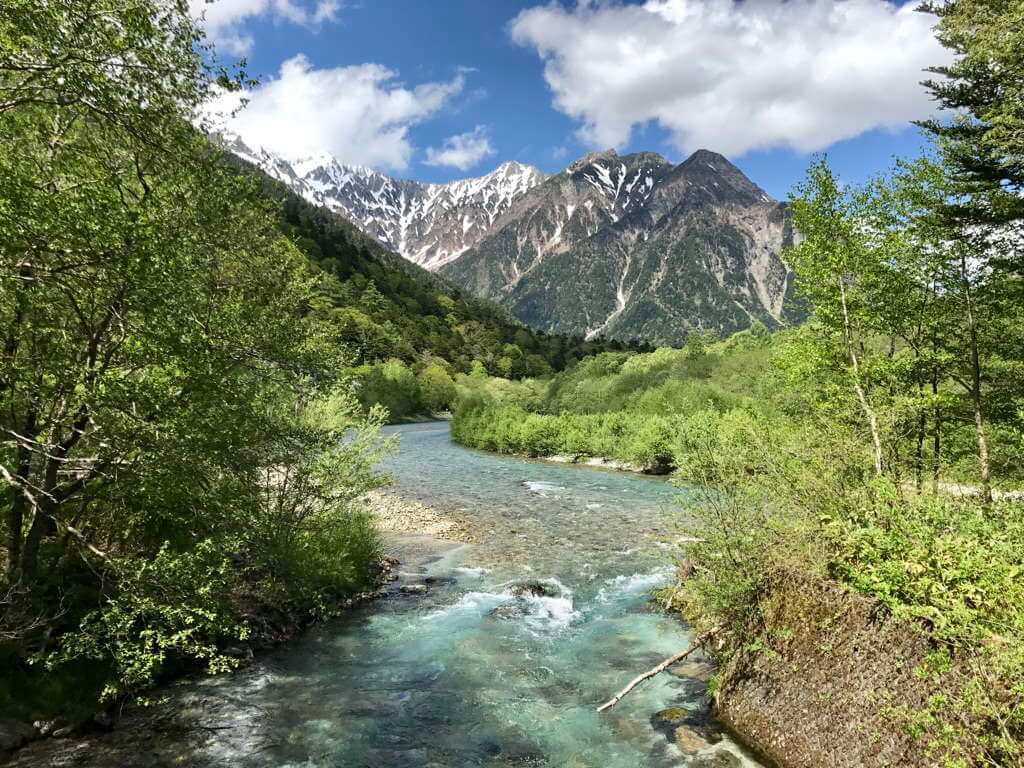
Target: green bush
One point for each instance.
(437, 387)
(393, 386)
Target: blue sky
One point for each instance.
(395, 83)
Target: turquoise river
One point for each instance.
(467, 674)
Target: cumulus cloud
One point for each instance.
(359, 114)
(462, 151)
(734, 76)
(224, 19)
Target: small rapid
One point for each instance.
(496, 654)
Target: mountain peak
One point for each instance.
(592, 157)
(715, 171)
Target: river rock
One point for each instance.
(508, 611)
(532, 588)
(14, 733)
(720, 759)
(414, 589)
(689, 741)
(439, 580)
(692, 670)
(672, 716)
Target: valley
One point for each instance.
(632, 248)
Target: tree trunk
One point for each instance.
(43, 521)
(851, 352)
(922, 428)
(936, 435)
(977, 397)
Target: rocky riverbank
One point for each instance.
(838, 682)
(397, 514)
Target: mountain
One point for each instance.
(428, 224)
(636, 247)
(629, 247)
(383, 307)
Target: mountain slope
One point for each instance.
(634, 247)
(629, 247)
(383, 306)
(428, 224)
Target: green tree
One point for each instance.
(984, 141)
(437, 387)
(162, 374)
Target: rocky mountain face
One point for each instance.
(635, 247)
(429, 224)
(629, 247)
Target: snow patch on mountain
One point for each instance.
(429, 224)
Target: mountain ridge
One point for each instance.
(626, 246)
(633, 246)
(428, 224)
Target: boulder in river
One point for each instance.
(688, 740)
(672, 715)
(532, 588)
(721, 758)
(414, 589)
(508, 611)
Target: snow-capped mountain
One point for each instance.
(636, 247)
(626, 247)
(429, 224)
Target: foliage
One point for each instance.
(437, 386)
(177, 447)
(985, 87)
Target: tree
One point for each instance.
(984, 142)
(156, 343)
(832, 263)
(437, 387)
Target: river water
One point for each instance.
(467, 674)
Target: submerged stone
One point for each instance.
(672, 715)
(689, 741)
(720, 759)
(533, 588)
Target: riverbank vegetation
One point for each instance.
(180, 460)
(877, 446)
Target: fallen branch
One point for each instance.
(694, 646)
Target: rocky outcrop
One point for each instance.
(835, 682)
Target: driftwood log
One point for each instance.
(695, 646)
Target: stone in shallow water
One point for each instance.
(697, 670)
(533, 589)
(689, 741)
(719, 759)
(672, 715)
(414, 589)
(508, 611)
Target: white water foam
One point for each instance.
(628, 586)
(541, 488)
(541, 614)
(474, 572)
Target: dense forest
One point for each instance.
(879, 445)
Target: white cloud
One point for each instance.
(462, 151)
(359, 114)
(734, 76)
(224, 19)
